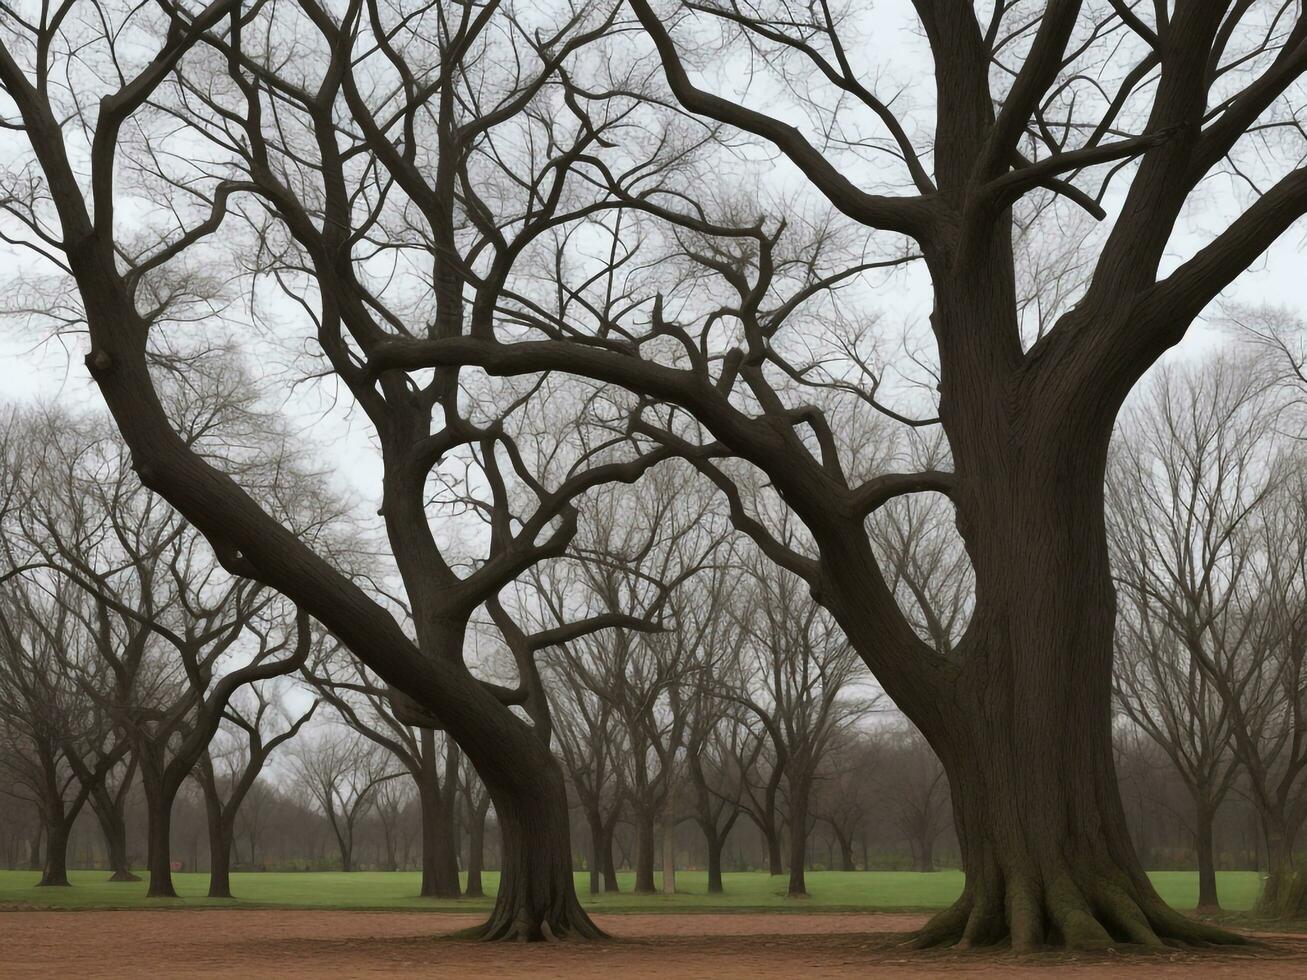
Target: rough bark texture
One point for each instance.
(537, 894)
(1037, 807)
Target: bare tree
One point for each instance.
(343, 775)
(262, 723)
(1193, 465)
(1028, 103)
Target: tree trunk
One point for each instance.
(669, 843)
(714, 861)
(595, 821)
(644, 852)
(476, 846)
(537, 893)
(1205, 846)
(798, 887)
(439, 868)
(158, 813)
(219, 840)
(55, 869)
(1021, 718)
(846, 851)
(610, 868)
(113, 826)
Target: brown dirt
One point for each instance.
(292, 944)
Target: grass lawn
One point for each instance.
(398, 890)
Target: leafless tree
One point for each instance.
(343, 775)
(261, 724)
(1193, 465)
(1055, 97)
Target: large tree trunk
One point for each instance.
(537, 893)
(1205, 846)
(644, 852)
(1025, 733)
(55, 869)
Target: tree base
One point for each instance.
(567, 923)
(124, 876)
(1068, 916)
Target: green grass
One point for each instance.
(398, 890)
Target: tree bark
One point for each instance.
(113, 826)
(55, 869)
(537, 893)
(798, 887)
(1021, 714)
(439, 865)
(610, 867)
(595, 821)
(644, 853)
(1205, 846)
(220, 840)
(669, 843)
(714, 863)
(158, 811)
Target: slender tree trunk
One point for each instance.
(55, 870)
(476, 845)
(1205, 846)
(669, 842)
(610, 867)
(219, 840)
(439, 871)
(158, 811)
(110, 815)
(846, 851)
(798, 887)
(595, 821)
(714, 842)
(644, 852)
(34, 861)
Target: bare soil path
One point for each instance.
(295, 944)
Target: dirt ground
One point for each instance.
(293, 944)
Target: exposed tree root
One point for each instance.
(124, 876)
(566, 921)
(1065, 914)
